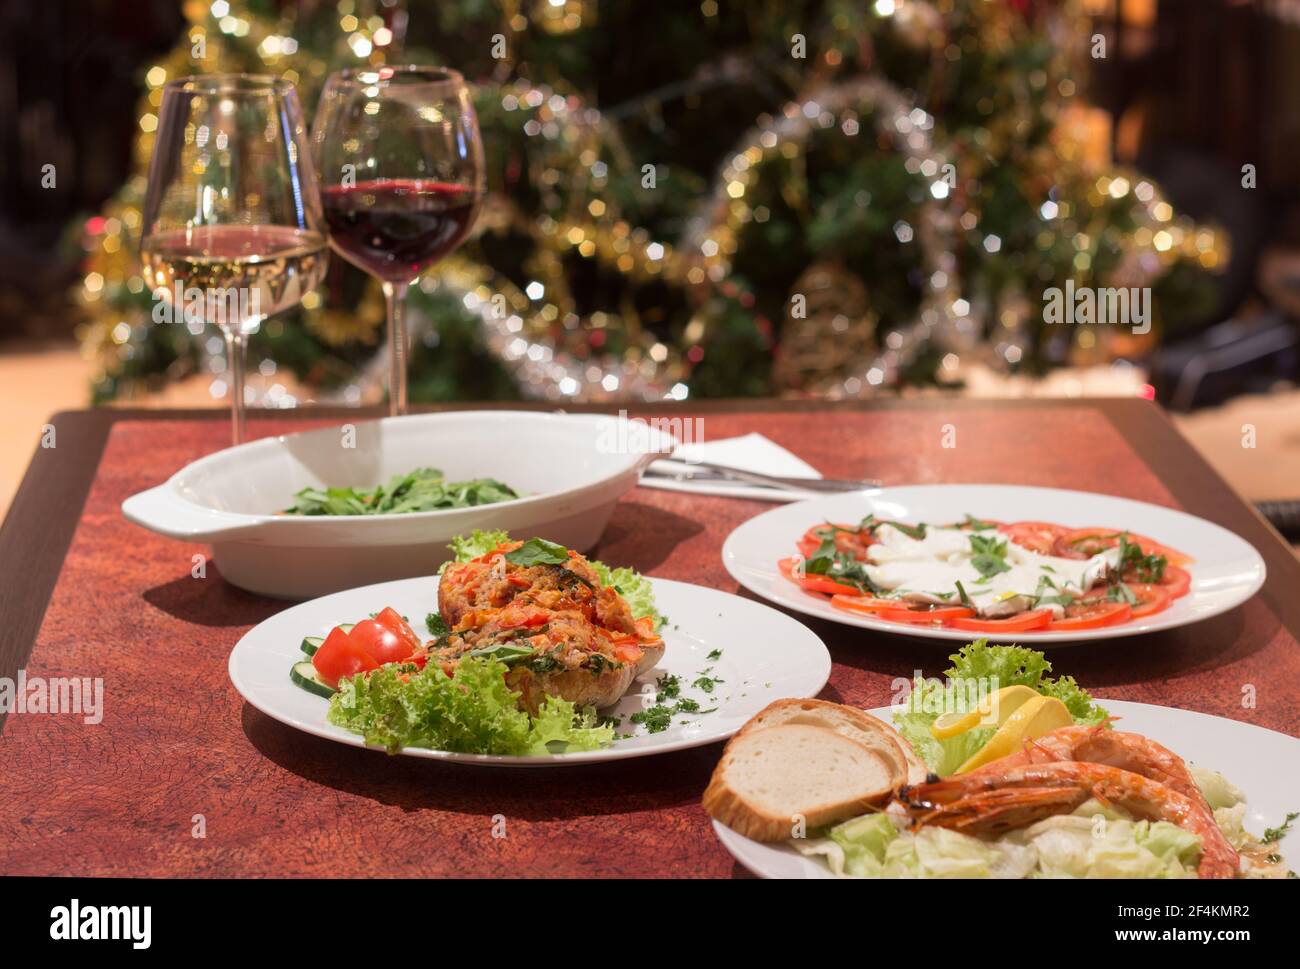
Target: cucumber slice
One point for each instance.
(312, 643)
(304, 675)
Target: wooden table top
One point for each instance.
(83, 592)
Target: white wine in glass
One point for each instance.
(232, 220)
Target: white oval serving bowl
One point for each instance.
(570, 469)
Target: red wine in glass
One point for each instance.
(401, 164)
(397, 229)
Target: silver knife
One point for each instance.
(706, 471)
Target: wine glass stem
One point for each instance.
(236, 346)
(395, 294)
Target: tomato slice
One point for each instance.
(1176, 582)
(940, 615)
(1091, 615)
(1038, 537)
(847, 539)
(392, 620)
(816, 583)
(1021, 622)
(339, 656)
(379, 642)
(1084, 543)
(861, 603)
(1150, 598)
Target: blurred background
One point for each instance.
(710, 199)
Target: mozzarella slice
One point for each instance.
(928, 570)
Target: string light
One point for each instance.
(557, 353)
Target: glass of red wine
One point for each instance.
(400, 161)
(233, 230)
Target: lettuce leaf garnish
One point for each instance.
(472, 711)
(635, 588)
(996, 667)
(476, 543)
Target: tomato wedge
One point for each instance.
(339, 656)
(1150, 598)
(392, 620)
(816, 583)
(379, 642)
(1033, 619)
(1091, 615)
(1176, 582)
(940, 615)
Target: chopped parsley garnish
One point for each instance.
(668, 687)
(1277, 834)
(656, 719)
(707, 683)
(714, 654)
(437, 625)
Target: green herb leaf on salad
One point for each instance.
(538, 551)
(990, 556)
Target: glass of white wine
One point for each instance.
(233, 231)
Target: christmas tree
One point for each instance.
(704, 199)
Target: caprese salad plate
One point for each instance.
(1000, 561)
(520, 662)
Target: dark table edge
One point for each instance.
(38, 531)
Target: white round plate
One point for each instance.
(1201, 739)
(1226, 572)
(764, 655)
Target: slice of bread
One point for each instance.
(769, 780)
(851, 722)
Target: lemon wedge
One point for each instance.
(993, 712)
(1040, 715)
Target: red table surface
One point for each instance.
(122, 797)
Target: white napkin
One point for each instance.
(750, 452)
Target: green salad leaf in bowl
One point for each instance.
(424, 489)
